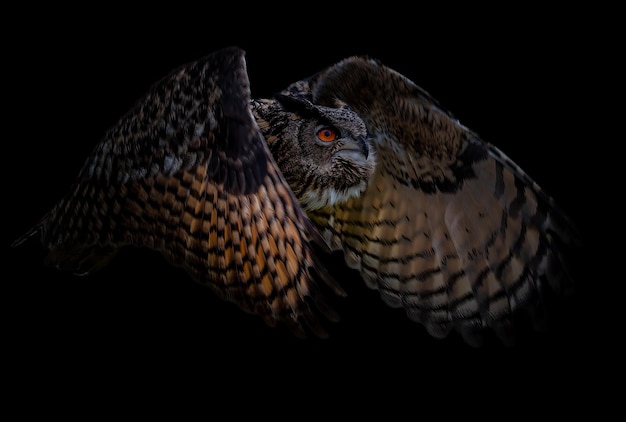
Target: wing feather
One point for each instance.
(449, 227)
(188, 173)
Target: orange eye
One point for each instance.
(327, 134)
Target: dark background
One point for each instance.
(516, 81)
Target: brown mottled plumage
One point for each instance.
(449, 228)
(356, 157)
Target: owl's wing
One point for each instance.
(187, 173)
(449, 228)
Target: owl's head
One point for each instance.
(323, 152)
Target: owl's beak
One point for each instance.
(365, 149)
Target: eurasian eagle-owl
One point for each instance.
(357, 158)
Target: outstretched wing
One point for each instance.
(187, 173)
(449, 228)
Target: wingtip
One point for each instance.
(26, 236)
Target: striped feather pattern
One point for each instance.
(449, 228)
(187, 173)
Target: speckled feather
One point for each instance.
(440, 222)
(449, 228)
(187, 173)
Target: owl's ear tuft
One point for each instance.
(297, 104)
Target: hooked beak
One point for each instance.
(365, 149)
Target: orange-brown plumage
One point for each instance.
(236, 190)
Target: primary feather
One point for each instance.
(441, 223)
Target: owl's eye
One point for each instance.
(327, 134)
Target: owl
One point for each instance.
(247, 195)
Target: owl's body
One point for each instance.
(356, 158)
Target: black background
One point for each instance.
(515, 80)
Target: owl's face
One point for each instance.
(323, 152)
